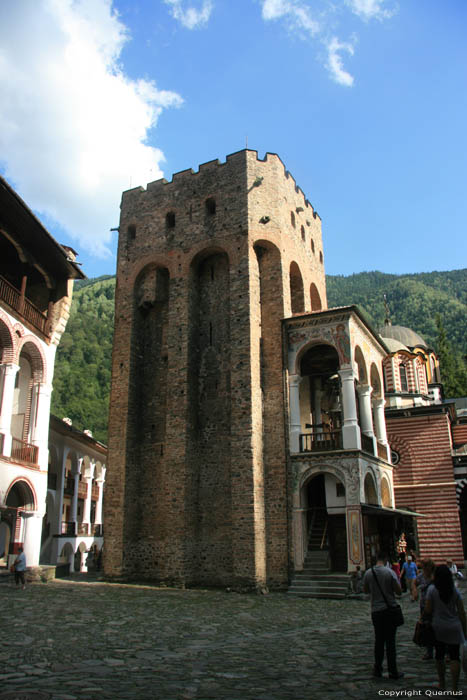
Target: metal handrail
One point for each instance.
(324, 533)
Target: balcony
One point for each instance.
(329, 440)
(24, 452)
(12, 297)
(69, 487)
(321, 441)
(68, 528)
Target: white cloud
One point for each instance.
(334, 61)
(370, 9)
(191, 18)
(73, 127)
(298, 18)
(296, 13)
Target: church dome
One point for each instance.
(404, 335)
(394, 345)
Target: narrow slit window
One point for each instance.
(170, 219)
(210, 206)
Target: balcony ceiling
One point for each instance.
(22, 225)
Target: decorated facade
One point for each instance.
(36, 282)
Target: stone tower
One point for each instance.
(208, 266)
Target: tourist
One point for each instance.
(382, 585)
(445, 609)
(20, 568)
(410, 570)
(423, 581)
(397, 569)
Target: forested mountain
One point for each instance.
(82, 367)
(432, 304)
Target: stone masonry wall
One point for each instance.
(196, 481)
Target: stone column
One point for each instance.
(350, 429)
(364, 398)
(39, 429)
(380, 424)
(74, 503)
(98, 516)
(366, 418)
(57, 525)
(294, 408)
(8, 374)
(87, 504)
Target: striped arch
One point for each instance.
(30, 345)
(403, 447)
(24, 484)
(8, 340)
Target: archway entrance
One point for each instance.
(324, 496)
(20, 498)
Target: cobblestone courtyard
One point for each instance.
(91, 640)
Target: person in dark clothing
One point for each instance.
(383, 621)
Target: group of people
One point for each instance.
(440, 605)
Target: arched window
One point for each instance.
(403, 378)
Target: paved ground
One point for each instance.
(90, 640)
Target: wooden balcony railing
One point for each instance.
(24, 452)
(68, 528)
(82, 489)
(367, 444)
(321, 441)
(11, 296)
(382, 451)
(69, 487)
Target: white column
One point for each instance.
(39, 427)
(74, 502)
(8, 377)
(294, 408)
(98, 516)
(57, 524)
(364, 399)
(350, 429)
(380, 424)
(87, 503)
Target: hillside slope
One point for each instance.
(83, 364)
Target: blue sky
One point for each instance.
(365, 101)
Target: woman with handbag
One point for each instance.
(445, 608)
(423, 582)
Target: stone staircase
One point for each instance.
(315, 580)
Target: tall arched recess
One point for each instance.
(147, 408)
(315, 298)
(297, 297)
(208, 507)
(270, 296)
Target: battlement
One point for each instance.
(233, 160)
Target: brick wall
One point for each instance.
(424, 481)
